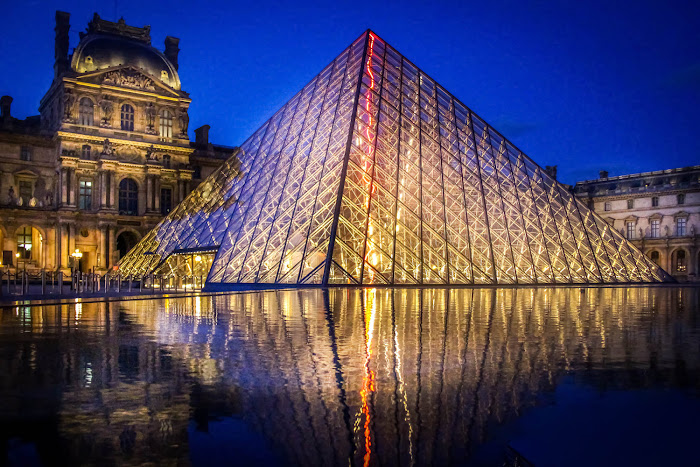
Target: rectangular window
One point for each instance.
(630, 230)
(630, 204)
(655, 201)
(25, 154)
(607, 206)
(26, 191)
(85, 195)
(166, 200)
(681, 199)
(655, 228)
(680, 226)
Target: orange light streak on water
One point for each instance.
(368, 377)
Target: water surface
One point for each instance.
(563, 376)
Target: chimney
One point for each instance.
(5, 104)
(171, 49)
(61, 49)
(551, 170)
(603, 174)
(201, 135)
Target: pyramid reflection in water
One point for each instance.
(374, 174)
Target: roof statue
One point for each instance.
(374, 174)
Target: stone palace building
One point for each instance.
(107, 157)
(659, 211)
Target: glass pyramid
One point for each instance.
(375, 174)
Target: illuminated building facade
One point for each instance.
(375, 174)
(108, 156)
(659, 212)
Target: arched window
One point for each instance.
(166, 124)
(654, 255)
(127, 117)
(86, 113)
(128, 197)
(24, 243)
(681, 265)
(166, 161)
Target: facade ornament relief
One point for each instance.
(129, 79)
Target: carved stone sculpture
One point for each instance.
(184, 121)
(107, 149)
(150, 118)
(68, 101)
(107, 108)
(151, 154)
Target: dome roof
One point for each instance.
(100, 51)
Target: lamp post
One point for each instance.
(76, 255)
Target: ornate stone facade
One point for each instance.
(107, 157)
(659, 211)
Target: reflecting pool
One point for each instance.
(559, 376)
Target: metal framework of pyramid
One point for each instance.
(375, 174)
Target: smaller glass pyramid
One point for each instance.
(375, 174)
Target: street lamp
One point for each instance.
(76, 255)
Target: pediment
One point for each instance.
(681, 214)
(26, 173)
(631, 218)
(128, 77)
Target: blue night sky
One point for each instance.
(582, 85)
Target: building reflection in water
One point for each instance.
(338, 377)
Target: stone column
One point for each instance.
(112, 245)
(180, 190)
(64, 250)
(103, 189)
(149, 193)
(57, 245)
(73, 188)
(71, 239)
(156, 196)
(101, 250)
(115, 191)
(63, 181)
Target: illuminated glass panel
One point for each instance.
(375, 174)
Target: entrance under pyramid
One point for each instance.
(375, 174)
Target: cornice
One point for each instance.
(129, 91)
(68, 136)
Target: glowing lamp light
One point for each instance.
(198, 258)
(77, 254)
(16, 255)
